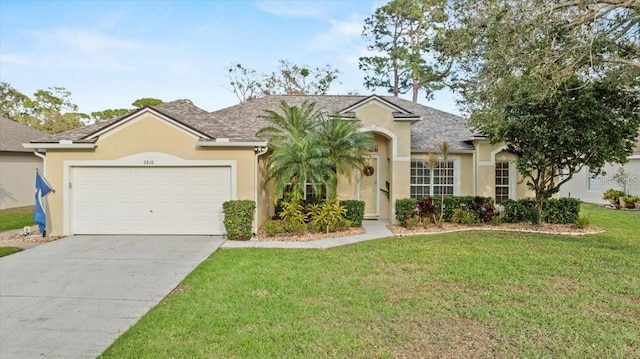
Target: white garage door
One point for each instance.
(149, 200)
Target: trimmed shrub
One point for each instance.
(563, 210)
(411, 222)
(456, 216)
(293, 209)
(272, 228)
(583, 222)
(467, 203)
(483, 209)
(522, 210)
(613, 196)
(238, 217)
(295, 227)
(355, 211)
(405, 209)
(330, 215)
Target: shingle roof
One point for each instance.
(434, 127)
(242, 121)
(14, 134)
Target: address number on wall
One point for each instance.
(147, 162)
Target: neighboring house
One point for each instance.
(17, 164)
(589, 188)
(167, 169)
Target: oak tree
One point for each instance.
(288, 79)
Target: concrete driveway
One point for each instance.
(73, 297)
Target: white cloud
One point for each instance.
(339, 34)
(13, 59)
(353, 58)
(89, 41)
(291, 8)
(79, 48)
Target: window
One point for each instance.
(502, 181)
(308, 193)
(594, 182)
(425, 183)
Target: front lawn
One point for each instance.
(458, 295)
(16, 218)
(5, 251)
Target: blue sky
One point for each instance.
(110, 53)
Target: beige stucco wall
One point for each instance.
(466, 174)
(146, 134)
(379, 119)
(487, 155)
(17, 178)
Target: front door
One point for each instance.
(369, 188)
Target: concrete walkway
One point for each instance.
(373, 230)
(73, 297)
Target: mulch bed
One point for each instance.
(560, 229)
(311, 236)
(18, 240)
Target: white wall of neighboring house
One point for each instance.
(17, 178)
(591, 189)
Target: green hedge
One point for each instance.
(562, 210)
(462, 202)
(355, 211)
(408, 208)
(522, 210)
(405, 209)
(238, 219)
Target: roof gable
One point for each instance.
(398, 112)
(122, 122)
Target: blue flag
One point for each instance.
(42, 189)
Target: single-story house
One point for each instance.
(589, 188)
(18, 165)
(167, 169)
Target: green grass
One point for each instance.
(5, 251)
(460, 295)
(16, 218)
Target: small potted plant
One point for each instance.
(613, 196)
(628, 201)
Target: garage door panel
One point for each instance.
(149, 200)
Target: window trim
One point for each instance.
(513, 179)
(456, 175)
(599, 179)
(509, 181)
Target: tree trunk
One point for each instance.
(539, 206)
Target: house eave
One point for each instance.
(407, 118)
(231, 144)
(65, 145)
(421, 150)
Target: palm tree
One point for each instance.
(308, 147)
(345, 144)
(293, 121)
